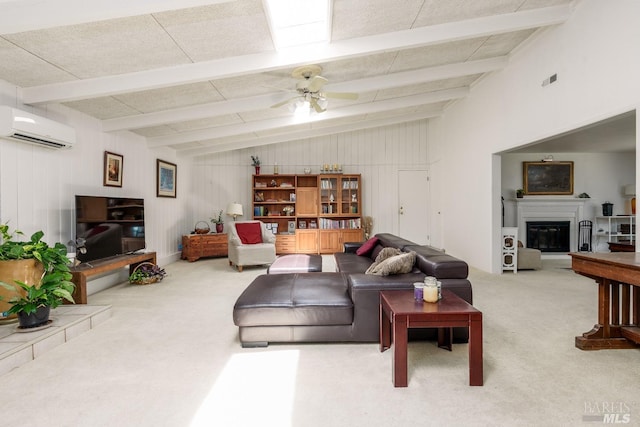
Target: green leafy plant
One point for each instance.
(218, 218)
(255, 161)
(147, 271)
(55, 283)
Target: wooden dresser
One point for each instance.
(196, 246)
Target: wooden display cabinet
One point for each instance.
(326, 210)
(340, 218)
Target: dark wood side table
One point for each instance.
(196, 246)
(399, 312)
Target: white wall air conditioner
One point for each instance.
(27, 127)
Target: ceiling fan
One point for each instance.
(309, 89)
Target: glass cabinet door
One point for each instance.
(349, 200)
(329, 195)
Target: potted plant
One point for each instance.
(35, 276)
(218, 221)
(146, 273)
(519, 193)
(255, 162)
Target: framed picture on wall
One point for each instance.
(166, 179)
(112, 169)
(548, 178)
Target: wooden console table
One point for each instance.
(618, 278)
(196, 246)
(80, 273)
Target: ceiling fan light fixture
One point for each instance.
(323, 103)
(302, 108)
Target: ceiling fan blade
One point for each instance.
(316, 83)
(286, 101)
(341, 95)
(316, 106)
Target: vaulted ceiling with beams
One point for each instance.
(201, 76)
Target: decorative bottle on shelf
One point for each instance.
(276, 170)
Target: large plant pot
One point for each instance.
(28, 271)
(33, 320)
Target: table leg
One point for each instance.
(80, 292)
(385, 326)
(445, 338)
(400, 351)
(603, 307)
(476, 374)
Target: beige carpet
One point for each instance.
(170, 356)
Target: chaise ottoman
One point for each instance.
(290, 307)
(296, 263)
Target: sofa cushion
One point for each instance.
(434, 262)
(391, 240)
(351, 263)
(367, 246)
(249, 233)
(398, 264)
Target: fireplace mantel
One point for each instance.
(549, 208)
(553, 199)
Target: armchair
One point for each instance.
(250, 243)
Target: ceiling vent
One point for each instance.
(26, 127)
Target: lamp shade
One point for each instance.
(234, 210)
(630, 190)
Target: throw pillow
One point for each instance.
(383, 255)
(367, 247)
(249, 233)
(398, 264)
(387, 253)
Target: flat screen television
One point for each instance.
(108, 226)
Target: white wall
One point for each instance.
(377, 154)
(596, 57)
(38, 185)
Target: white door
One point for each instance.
(413, 206)
(435, 205)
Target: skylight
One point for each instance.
(299, 22)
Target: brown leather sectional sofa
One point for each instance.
(341, 306)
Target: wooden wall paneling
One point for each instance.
(376, 154)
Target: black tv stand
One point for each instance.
(80, 273)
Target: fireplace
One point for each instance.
(556, 209)
(549, 236)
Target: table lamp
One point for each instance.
(630, 190)
(235, 210)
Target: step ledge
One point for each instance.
(69, 322)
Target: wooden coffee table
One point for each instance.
(399, 312)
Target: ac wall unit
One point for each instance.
(27, 127)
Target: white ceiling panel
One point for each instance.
(218, 31)
(202, 78)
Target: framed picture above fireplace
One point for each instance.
(548, 178)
